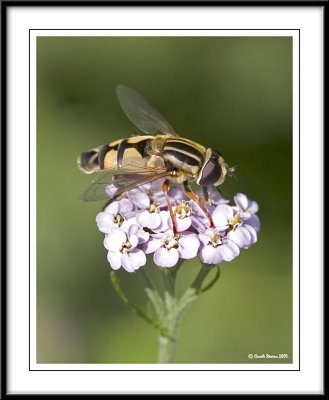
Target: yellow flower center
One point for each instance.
(216, 239)
(118, 219)
(125, 247)
(235, 222)
(170, 243)
(183, 209)
(154, 208)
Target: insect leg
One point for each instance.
(191, 195)
(165, 188)
(205, 193)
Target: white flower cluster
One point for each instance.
(140, 224)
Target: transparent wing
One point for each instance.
(141, 113)
(109, 185)
(97, 188)
(105, 188)
(123, 183)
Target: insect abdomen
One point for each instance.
(113, 155)
(93, 160)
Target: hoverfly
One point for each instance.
(158, 154)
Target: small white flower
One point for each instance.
(183, 213)
(122, 248)
(114, 215)
(248, 209)
(168, 248)
(150, 218)
(227, 220)
(216, 247)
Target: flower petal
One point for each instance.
(165, 221)
(200, 224)
(210, 255)
(139, 257)
(113, 208)
(152, 245)
(188, 246)
(136, 230)
(133, 260)
(182, 223)
(113, 242)
(221, 215)
(241, 200)
(244, 215)
(126, 206)
(132, 229)
(253, 233)
(254, 222)
(133, 240)
(253, 207)
(240, 236)
(105, 222)
(114, 259)
(205, 237)
(139, 198)
(166, 258)
(228, 252)
(127, 262)
(143, 236)
(149, 220)
(126, 224)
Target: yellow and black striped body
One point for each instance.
(185, 156)
(111, 156)
(163, 151)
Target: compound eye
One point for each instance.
(210, 173)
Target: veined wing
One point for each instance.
(141, 113)
(111, 184)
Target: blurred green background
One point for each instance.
(231, 93)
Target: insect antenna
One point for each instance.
(231, 171)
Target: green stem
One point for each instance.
(169, 309)
(196, 284)
(212, 282)
(169, 320)
(169, 277)
(136, 310)
(153, 294)
(167, 344)
(204, 271)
